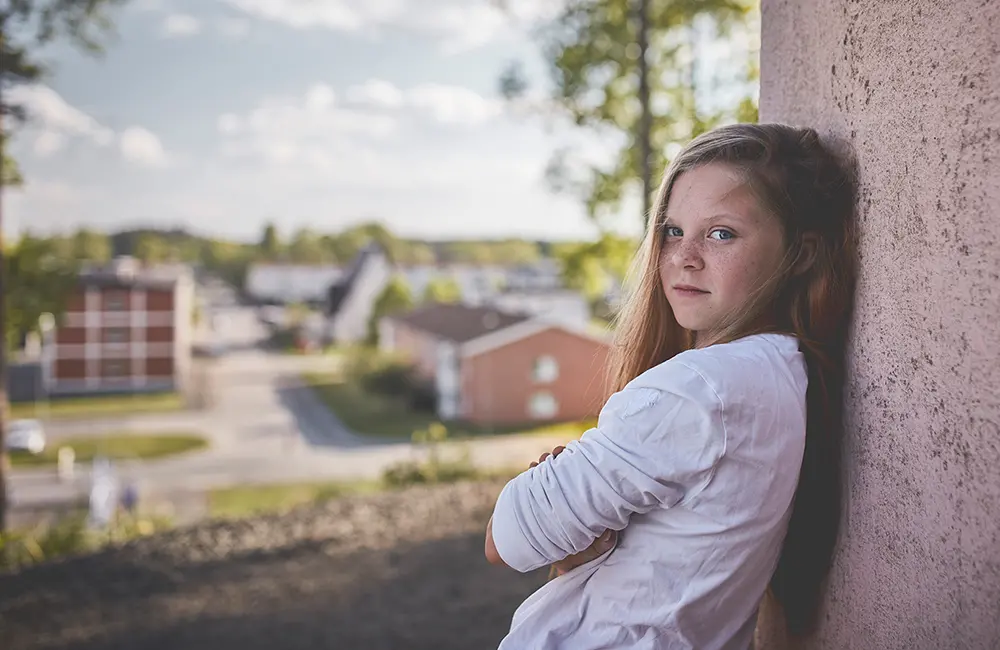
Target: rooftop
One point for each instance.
(459, 323)
(129, 272)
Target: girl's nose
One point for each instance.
(687, 254)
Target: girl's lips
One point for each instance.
(686, 290)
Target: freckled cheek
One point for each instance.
(737, 272)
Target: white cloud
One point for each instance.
(314, 139)
(311, 130)
(376, 92)
(233, 27)
(181, 26)
(141, 146)
(48, 143)
(456, 24)
(54, 116)
(453, 104)
(53, 123)
(446, 104)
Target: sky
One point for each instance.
(220, 116)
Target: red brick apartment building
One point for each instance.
(495, 367)
(127, 328)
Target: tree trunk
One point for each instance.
(644, 133)
(4, 410)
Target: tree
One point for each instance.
(270, 245)
(307, 248)
(40, 280)
(629, 67)
(26, 25)
(151, 248)
(394, 299)
(91, 246)
(592, 267)
(442, 289)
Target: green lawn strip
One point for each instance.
(247, 500)
(117, 445)
(378, 415)
(99, 406)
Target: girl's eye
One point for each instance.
(673, 231)
(721, 235)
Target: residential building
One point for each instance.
(126, 328)
(476, 283)
(290, 283)
(350, 301)
(555, 304)
(495, 367)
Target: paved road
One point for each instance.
(264, 426)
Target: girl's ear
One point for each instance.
(808, 247)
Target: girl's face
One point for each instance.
(718, 247)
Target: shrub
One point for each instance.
(70, 536)
(394, 378)
(435, 469)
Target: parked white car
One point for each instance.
(26, 435)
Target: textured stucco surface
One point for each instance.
(914, 87)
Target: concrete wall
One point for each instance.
(914, 85)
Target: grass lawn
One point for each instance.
(99, 406)
(244, 501)
(367, 413)
(118, 445)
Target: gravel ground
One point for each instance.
(397, 570)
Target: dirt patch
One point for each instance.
(397, 570)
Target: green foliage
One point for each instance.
(70, 536)
(26, 26)
(270, 245)
(593, 55)
(151, 249)
(394, 299)
(249, 500)
(591, 267)
(434, 468)
(442, 290)
(123, 445)
(508, 251)
(65, 408)
(39, 278)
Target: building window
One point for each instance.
(115, 302)
(543, 405)
(546, 370)
(115, 368)
(115, 335)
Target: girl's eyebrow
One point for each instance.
(669, 220)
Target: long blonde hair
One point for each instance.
(802, 183)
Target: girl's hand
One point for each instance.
(601, 545)
(541, 459)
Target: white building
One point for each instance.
(291, 283)
(563, 306)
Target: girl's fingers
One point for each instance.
(533, 464)
(541, 459)
(558, 450)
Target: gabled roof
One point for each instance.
(459, 323)
(338, 291)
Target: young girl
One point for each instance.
(669, 520)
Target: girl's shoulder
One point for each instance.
(750, 360)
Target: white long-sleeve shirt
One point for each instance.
(696, 463)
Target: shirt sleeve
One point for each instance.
(656, 444)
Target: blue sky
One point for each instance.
(221, 115)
